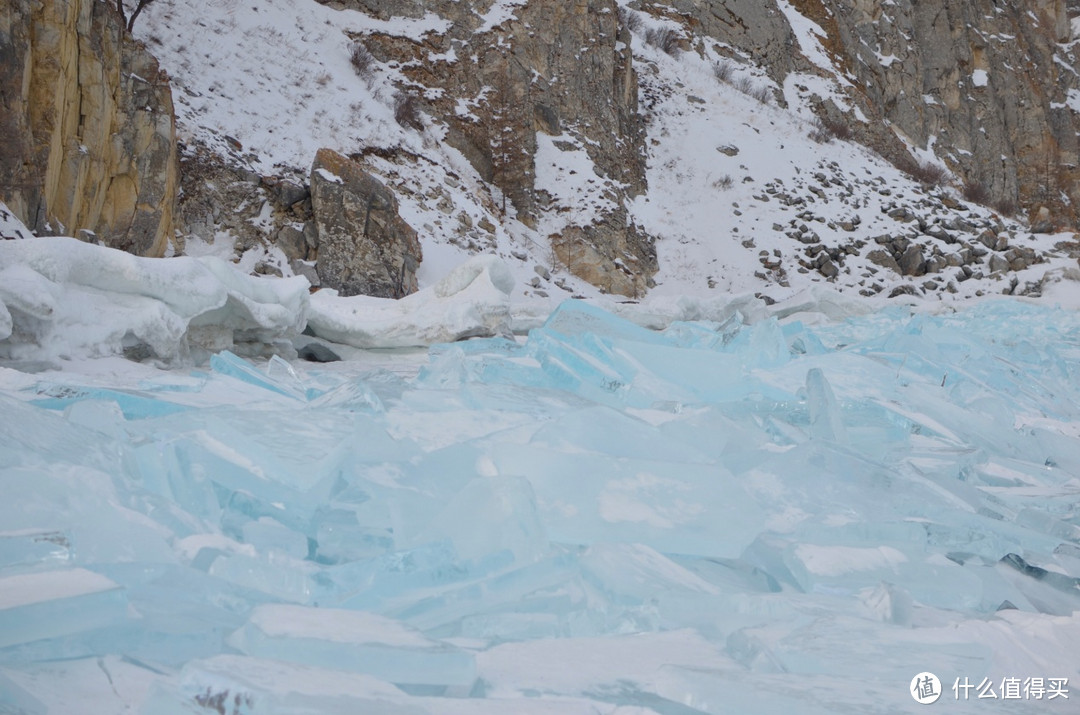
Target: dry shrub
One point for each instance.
(663, 38)
(762, 94)
(723, 70)
(975, 192)
(630, 19)
(1005, 207)
(820, 133)
(362, 61)
(407, 111)
(838, 127)
(925, 172)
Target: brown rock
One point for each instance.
(365, 248)
(912, 262)
(87, 123)
(553, 67)
(884, 259)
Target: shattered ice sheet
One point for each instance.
(789, 514)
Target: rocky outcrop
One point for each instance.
(221, 195)
(559, 68)
(364, 246)
(87, 119)
(934, 240)
(986, 84)
(990, 87)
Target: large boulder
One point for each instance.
(365, 247)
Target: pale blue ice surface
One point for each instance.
(825, 510)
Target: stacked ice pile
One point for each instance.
(62, 298)
(720, 518)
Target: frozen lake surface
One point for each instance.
(781, 517)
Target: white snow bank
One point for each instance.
(61, 298)
(472, 300)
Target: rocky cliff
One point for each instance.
(87, 120)
(541, 130)
(989, 88)
(500, 81)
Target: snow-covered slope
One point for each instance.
(731, 178)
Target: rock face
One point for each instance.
(559, 68)
(987, 85)
(87, 123)
(365, 248)
(220, 195)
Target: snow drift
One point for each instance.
(473, 300)
(62, 298)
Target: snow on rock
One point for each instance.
(11, 227)
(472, 300)
(62, 298)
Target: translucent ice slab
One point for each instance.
(33, 547)
(253, 686)
(354, 641)
(47, 604)
(589, 498)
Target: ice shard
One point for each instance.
(47, 604)
(354, 641)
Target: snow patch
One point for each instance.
(472, 300)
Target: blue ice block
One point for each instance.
(230, 365)
(14, 699)
(510, 524)
(825, 419)
(133, 404)
(680, 508)
(47, 604)
(578, 318)
(354, 641)
(28, 433)
(242, 685)
(268, 534)
(34, 547)
(608, 431)
(340, 537)
(354, 395)
(273, 574)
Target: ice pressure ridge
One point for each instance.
(63, 299)
(716, 517)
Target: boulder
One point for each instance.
(365, 247)
(998, 263)
(317, 352)
(884, 259)
(912, 262)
